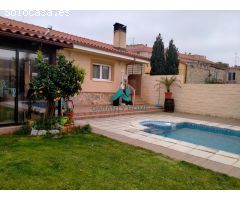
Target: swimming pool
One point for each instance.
(209, 136)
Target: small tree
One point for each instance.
(71, 77)
(158, 58)
(172, 60)
(56, 81)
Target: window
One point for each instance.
(101, 72)
(231, 76)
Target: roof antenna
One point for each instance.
(49, 27)
(236, 58)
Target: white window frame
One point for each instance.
(101, 67)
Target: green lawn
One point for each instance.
(89, 161)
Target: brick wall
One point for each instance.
(222, 100)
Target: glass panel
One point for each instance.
(96, 71)
(233, 76)
(229, 76)
(105, 72)
(28, 70)
(7, 85)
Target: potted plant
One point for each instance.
(69, 112)
(169, 101)
(168, 83)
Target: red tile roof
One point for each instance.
(25, 29)
(139, 47)
(198, 58)
(183, 57)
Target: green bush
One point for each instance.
(24, 130)
(211, 80)
(86, 129)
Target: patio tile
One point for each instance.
(228, 154)
(223, 159)
(193, 159)
(156, 136)
(207, 149)
(199, 153)
(187, 144)
(171, 140)
(143, 133)
(137, 136)
(149, 140)
(210, 165)
(237, 164)
(236, 128)
(122, 132)
(163, 143)
(180, 148)
(234, 172)
(132, 130)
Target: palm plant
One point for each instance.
(168, 82)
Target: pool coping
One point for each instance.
(216, 155)
(216, 160)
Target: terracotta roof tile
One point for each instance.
(17, 27)
(183, 57)
(198, 58)
(139, 47)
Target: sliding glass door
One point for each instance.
(27, 68)
(7, 86)
(17, 69)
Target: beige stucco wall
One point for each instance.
(149, 91)
(222, 100)
(96, 92)
(85, 61)
(182, 70)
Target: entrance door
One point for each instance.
(135, 81)
(7, 86)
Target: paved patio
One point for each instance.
(127, 129)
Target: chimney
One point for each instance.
(119, 38)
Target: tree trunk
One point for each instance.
(51, 109)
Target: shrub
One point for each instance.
(24, 130)
(210, 80)
(86, 129)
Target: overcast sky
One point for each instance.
(215, 34)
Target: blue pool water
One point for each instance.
(213, 137)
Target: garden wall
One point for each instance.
(222, 100)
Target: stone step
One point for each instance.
(138, 100)
(113, 109)
(112, 115)
(86, 115)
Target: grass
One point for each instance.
(89, 161)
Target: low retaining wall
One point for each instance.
(93, 98)
(222, 100)
(8, 129)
